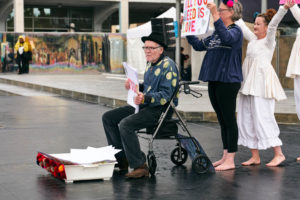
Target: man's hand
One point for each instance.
(127, 84)
(139, 99)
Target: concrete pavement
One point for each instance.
(108, 90)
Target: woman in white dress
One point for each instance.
(257, 125)
(293, 69)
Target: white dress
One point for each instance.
(293, 69)
(260, 78)
(257, 125)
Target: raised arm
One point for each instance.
(248, 34)
(228, 36)
(296, 13)
(272, 28)
(198, 45)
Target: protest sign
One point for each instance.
(283, 1)
(195, 17)
(132, 76)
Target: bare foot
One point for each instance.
(276, 161)
(225, 166)
(219, 162)
(222, 160)
(298, 159)
(252, 161)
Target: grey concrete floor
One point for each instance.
(54, 125)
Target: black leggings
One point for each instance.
(223, 99)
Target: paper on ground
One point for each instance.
(89, 155)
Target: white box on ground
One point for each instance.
(86, 164)
(89, 172)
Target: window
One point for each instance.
(54, 19)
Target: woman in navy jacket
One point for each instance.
(222, 69)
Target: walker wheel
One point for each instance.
(200, 164)
(179, 156)
(151, 163)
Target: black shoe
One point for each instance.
(122, 164)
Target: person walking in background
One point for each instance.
(9, 60)
(4, 58)
(222, 69)
(293, 68)
(257, 125)
(21, 48)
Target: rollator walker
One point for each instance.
(167, 128)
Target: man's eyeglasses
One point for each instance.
(221, 10)
(150, 48)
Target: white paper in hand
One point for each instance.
(132, 76)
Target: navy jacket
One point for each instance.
(223, 60)
(160, 82)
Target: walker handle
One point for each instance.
(189, 82)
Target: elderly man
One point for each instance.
(121, 124)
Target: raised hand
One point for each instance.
(213, 10)
(289, 3)
(181, 20)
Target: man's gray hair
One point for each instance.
(238, 10)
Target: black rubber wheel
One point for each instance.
(179, 158)
(151, 163)
(200, 164)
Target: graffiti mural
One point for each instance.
(71, 52)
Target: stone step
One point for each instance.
(108, 90)
(8, 89)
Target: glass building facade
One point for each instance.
(54, 19)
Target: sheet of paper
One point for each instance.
(133, 77)
(196, 17)
(89, 155)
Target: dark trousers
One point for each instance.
(21, 61)
(28, 58)
(120, 126)
(223, 99)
